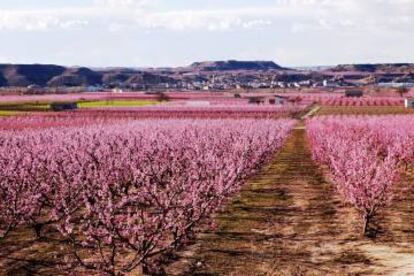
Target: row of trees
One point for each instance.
(365, 157)
(218, 111)
(105, 115)
(126, 195)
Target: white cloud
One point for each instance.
(124, 3)
(211, 20)
(30, 21)
(301, 15)
(256, 24)
(116, 17)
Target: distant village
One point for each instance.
(228, 81)
(208, 76)
(242, 83)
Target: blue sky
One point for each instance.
(141, 33)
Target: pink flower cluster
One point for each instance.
(203, 112)
(216, 98)
(339, 99)
(364, 156)
(49, 120)
(107, 115)
(365, 101)
(97, 96)
(125, 194)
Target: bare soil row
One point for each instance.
(290, 221)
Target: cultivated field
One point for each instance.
(206, 184)
(364, 110)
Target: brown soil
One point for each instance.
(364, 110)
(289, 221)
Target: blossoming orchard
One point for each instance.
(204, 184)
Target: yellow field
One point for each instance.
(15, 108)
(9, 113)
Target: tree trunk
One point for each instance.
(38, 230)
(365, 227)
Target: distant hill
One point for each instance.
(76, 77)
(24, 75)
(397, 68)
(226, 72)
(234, 65)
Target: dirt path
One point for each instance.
(315, 109)
(289, 221)
(394, 246)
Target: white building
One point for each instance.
(329, 83)
(409, 103)
(117, 91)
(396, 84)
